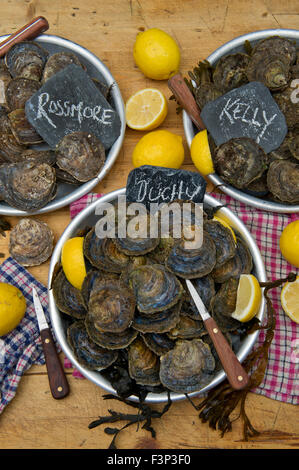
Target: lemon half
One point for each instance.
(249, 296)
(290, 299)
(72, 260)
(146, 109)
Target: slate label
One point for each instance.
(153, 184)
(68, 102)
(247, 111)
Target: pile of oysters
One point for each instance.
(29, 171)
(134, 319)
(241, 162)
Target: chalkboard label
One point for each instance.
(153, 184)
(247, 111)
(69, 102)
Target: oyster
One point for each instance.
(57, 62)
(224, 304)
(288, 106)
(10, 149)
(111, 305)
(67, 298)
(103, 253)
(22, 130)
(143, 363)
(81, 154)
(187, 367)
(270, 62)
(205, 93)
(293, 142)
(26, 59)
(192, 263)
(4, 121)
(26, 185)
(87, 353)
(283, 181)
(5, 78)
(205, 286)
(31, 242)
(38, 156)
(19, 90)
(159, 322)
(109, 340)
(230, 71)
(239, 161)
(156, 289)
(187, 328)
(223, 239)
(159, 343)
(89, 280)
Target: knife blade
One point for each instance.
(57, 379)
(235, 372)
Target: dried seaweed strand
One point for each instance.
(145, 414)
(220, 402)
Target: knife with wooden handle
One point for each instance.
(32, 29)
(57, 379)
(235, 372)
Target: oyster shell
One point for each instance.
(205, 93)
(24, 133)
(144, 364)
(205, 286)
(230, 71)
(159, 322)
(283, 181)
(192, 263)
(5, 78)
(26, 59)
(156, 289)
(26, 185)
(187, 328)
(89, 280)
(159, 343)
(31, 242)
(111, 306)
(67, 298)
(87, 353)
(10, 149)
(57, 62)
(223, 239)
(19, 90)
(81, 154)
(187, 367)
(224, 304)
(288, 106)
(239, 161)
(110, 340)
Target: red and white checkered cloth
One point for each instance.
(281, 380)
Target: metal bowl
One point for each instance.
(67, 193)
(88, 218)
(237, 45)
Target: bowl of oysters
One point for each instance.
(54, 82)
(244, 168)
(133, 328)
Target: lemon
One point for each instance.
(156, 54)
(249, 296)
(146, 109)
(159, 148)
(201, 154)
(290, 299)
(72, 260)
(289, 243)
(12, 307)
(223, 222)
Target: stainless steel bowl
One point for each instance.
(237, 45)
(68, 193)
(88, 218)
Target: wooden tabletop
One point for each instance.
(34, 420)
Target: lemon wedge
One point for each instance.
(201, 154)
(290, 299)
(72, 260)
(249, 296)
(146, 109)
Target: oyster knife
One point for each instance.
(57, 379)
(236, 375)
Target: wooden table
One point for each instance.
(34, 420)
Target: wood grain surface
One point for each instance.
(34, 420)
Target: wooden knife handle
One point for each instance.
(183, 95)
(236, 375)
(57, 378)
(32, 29)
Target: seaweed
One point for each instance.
(217, 407)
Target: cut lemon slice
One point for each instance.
(290, 299)
(146, 109)
(249, 298)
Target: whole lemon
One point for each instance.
(12, 307)
(289, 243)
(159, 148)
(156, 54)
(72, 260)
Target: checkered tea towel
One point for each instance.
(281, 380)
(22, 347)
